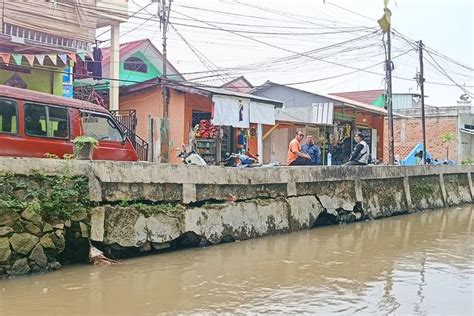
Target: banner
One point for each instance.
(6, 58)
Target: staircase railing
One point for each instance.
(127, 122)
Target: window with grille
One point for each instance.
(135, 64)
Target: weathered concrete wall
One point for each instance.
(140, 207)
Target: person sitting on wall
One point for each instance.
(295, 156)
(312, 150)
(360, 155)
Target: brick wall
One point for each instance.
(408, 133)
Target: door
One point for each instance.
(279, 145)
(113, 145)
(10, 139)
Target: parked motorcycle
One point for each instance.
(190, 157)
(239, 160)
(246, 160)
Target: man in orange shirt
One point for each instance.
(295, 156)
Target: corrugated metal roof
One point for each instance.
(345, 101)
(364, 96)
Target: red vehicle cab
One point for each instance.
(34, 124)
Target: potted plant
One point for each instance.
(83, 147)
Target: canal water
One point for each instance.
(413, 264)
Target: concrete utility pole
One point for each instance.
(388, 101)
(164, 126)
(421, 82)
(114, 67)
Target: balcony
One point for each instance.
(60, 25)
(111, 11)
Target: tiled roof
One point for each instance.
(367, 96)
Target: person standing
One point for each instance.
(295, 156)
(312, 150)
(360, 155)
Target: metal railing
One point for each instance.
(127, 117)
(127, 122)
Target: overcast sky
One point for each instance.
(287, 42)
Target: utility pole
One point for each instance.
(421, 80)
(388, 101)
(164, 128)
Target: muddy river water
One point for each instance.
(413, 264)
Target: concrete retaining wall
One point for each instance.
(144, 207)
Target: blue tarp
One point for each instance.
(410, 159)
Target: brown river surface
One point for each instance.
(414, 264)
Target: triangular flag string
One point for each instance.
(91, 55)
(82, 56)
(6, 58)
(30, 58)
(63, 58)
(54, 58)
(17, 58)
(40, 59)
(73, 57)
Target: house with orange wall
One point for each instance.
(185, 98)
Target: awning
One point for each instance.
(318, 114)
(467, 131)
(262, 113)
(231, 111)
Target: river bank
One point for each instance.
(52, 208)
(412, 264)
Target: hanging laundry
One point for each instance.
(97, 64)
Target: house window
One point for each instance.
(135, 64)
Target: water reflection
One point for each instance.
(420, 263)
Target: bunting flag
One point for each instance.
(54, 58)
(63, 58)
(72, 56)
(6, 58)
(30, 58)
(17, 58)
(40, 59)
(66, 58)
(91, 55)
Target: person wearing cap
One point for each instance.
(360, 155)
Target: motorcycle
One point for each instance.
(239, 160)
(246, 160)
(190, 157)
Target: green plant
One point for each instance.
(80, 141)
(54, 197)
(467, 162)
(446, 138)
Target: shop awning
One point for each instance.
(262, 113)
(467, 131)
(318, 114)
